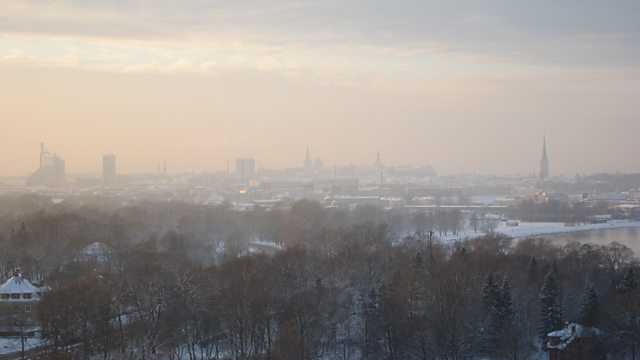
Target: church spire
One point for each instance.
(308, 164)
(544, 162)
(378, 162)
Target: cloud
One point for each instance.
(359, 42)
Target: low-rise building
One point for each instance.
(19, 307)
(96, 256)
(575, 341)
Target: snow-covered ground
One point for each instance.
(527, 229)
(531, 229)
(13, 345)
(269, 247)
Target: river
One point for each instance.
(626, 236)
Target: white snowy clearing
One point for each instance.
(13, 345)
(268, 247)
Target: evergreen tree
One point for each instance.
(499, 310)
(490, 295)
(554, 268)
(505, 305)
(589, 304)
(490, 292)
(628, 283)
(507, 331)
(532, 270)
(551, 316)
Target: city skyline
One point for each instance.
(319, 179)
(310, 162)
(464, 88)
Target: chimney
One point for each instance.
(17, 273)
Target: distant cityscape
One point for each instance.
(245, 187)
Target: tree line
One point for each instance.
(342, 287)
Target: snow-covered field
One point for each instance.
(531, 229)
(13, 345)
(527, 229)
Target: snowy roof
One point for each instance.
(96, 248)
(18, 285)
(214, 199)
(570, 333)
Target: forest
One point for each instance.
(181, 281)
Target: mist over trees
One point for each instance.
(205, 282)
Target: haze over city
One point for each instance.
(319, 180)
(471, 87)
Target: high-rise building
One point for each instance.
(544, 162)
(51, 171)
(109, 170)
(245, 168)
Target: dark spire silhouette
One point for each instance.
(544, 162)
(378, 162)
(308, 164)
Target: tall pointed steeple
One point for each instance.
(308, 164)
(378, 162)
(544, 162)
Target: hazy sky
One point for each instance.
(470, 86)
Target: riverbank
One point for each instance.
(535, 229)
(526, 229)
